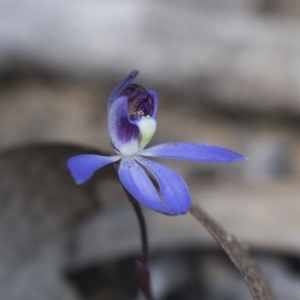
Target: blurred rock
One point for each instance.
(262, 216)
(37, 110)
(185, 273)
(227, 73)
(269, 156)
(40, 208)
(222, 52)
(284, 7)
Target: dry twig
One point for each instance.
(240, 257)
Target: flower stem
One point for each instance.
(141, 267)
(143, 229)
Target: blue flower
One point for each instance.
(131, 124)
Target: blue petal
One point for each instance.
(120, 87)
(139, 185)
(153, 106)
(173, 188)
(124, 135)
(194, 152)
(83, 166)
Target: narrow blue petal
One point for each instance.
(139, 185)
(83, 166)
(194, 152)
(120, 87)
(173, 188)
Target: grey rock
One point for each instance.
(40, 208)
(226, 52)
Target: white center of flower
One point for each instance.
(147, 127)
(129, 148)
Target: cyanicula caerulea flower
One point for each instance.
(131, 124)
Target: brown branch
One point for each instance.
(240, 257)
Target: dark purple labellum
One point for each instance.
(140, 102)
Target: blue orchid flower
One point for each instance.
(131, 124)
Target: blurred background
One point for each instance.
(227, 73)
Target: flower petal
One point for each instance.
(147, 127)
(194, 152)
(124, 135)
(173, 188)
(154, 97)
(120, 87)
(83, 166)
(138, 184)
(131, 116)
